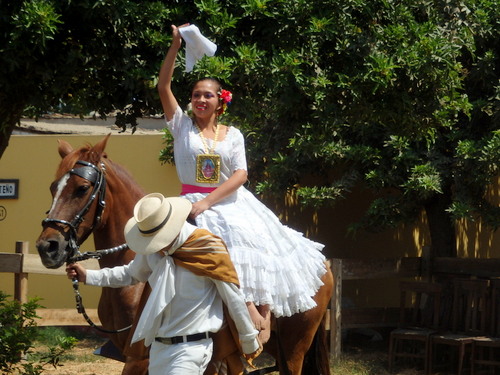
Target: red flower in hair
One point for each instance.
(226, 96)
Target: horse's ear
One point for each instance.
(64, 148)
(98, 149)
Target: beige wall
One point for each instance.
(33, 160)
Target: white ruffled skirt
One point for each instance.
(276, 265)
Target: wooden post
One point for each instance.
(21, 278)
(426, 268)
(335, 310)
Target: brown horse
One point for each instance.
(93, 194)
(298, 343)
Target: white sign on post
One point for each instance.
(9, 189)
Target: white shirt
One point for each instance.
(196, 305)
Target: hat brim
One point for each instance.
(154, 242)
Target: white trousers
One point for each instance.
(189, 358)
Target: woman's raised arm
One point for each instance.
(167, 97)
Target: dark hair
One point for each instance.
(211, 79)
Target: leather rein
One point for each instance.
(96, 176)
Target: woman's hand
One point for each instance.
(76, 271)
(198, 208)
(176, 36)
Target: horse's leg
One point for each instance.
(134, 366)
(295, 334)
(117, 309)
(318, 357)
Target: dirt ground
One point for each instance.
(99, 367)
(62, 124)
(83, 364)
(82, 361)
(360, 356)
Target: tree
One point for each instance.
(401, 97)
(398, 96)
(80, 56)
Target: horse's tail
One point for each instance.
(317, 358)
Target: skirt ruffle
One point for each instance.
(276, 265)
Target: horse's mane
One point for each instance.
(113, 170)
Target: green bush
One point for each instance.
(18, 333)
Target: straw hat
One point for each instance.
(157, 221)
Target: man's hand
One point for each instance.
(76, 271)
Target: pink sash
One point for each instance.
(187, 189)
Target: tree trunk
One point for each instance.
(441, 225)
(10, 115)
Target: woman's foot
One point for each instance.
(265, 331)
(261, 318)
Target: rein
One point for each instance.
(96, 176)
(76, 287)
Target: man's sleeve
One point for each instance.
(120, 276)
(235, 303)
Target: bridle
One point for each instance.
(96, 176)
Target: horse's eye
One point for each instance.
(80, 192)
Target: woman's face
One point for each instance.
(204, 99)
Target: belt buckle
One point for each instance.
(165, 340)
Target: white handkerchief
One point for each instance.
(197, 45)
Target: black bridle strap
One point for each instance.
(87, 172)
(94, 175)
(81, 309)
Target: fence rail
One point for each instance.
(21, 264)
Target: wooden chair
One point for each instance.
(419, 319)
(486, 350)
(468, 321)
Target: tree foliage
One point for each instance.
(80, 57)
(398, 96)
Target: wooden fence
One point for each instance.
(423, 267)
(365, 269)
(21, 264)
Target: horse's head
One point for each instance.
(78, 195)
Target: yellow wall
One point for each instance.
(34, 159)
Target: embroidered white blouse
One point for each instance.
(188, 144)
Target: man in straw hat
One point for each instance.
(191, 278)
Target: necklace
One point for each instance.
(203, 140)
(208, 164)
